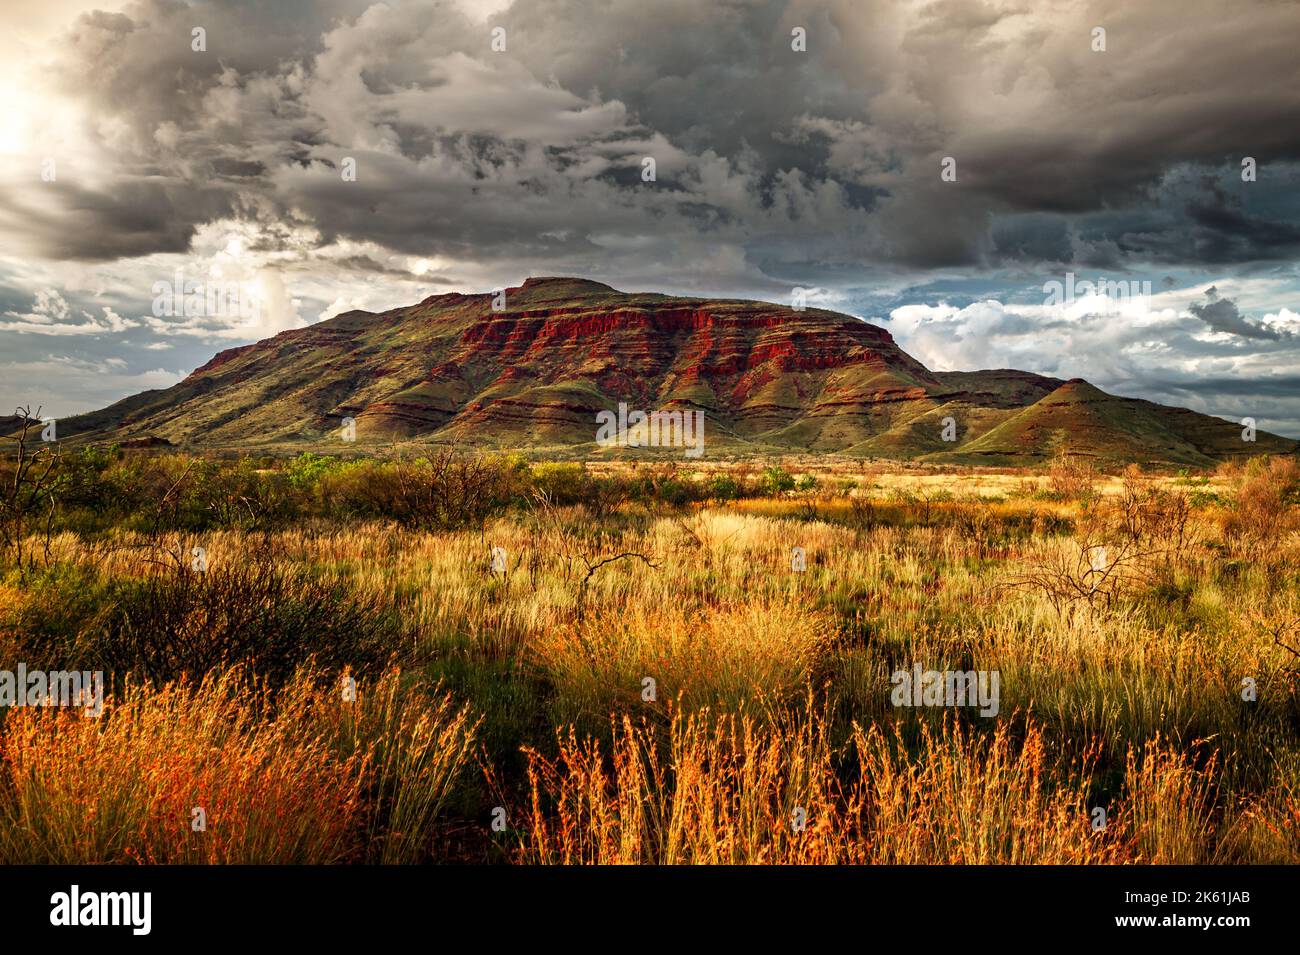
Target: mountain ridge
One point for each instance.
(534, 374)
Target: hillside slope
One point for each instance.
(767, 377)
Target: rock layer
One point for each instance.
(537, 372)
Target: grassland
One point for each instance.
(446, 660)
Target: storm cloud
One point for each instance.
(534, 152)
(793, 142)
(1222, 315)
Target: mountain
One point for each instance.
(766, 377)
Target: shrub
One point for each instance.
(359, 489)
(1265, 506)
(806, 482)
(723, 487)
(449, 490)
(778, 480)
(1155, 519)
(1071, 477)
(233, 496)
(306, 470)
(185, 623)
(29, 490)
(562, 484)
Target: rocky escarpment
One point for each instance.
(539, 369)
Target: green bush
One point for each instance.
(723, 487)
(563, 484)
(778, 480)
(306, 470)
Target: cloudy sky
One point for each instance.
(929, 166)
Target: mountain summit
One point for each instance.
(535, 370)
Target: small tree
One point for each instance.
(28, 500)
(1072, 477)
(448, 490)
(778, 480)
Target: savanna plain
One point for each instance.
(451, 657)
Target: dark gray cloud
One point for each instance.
(1222, 315)
(774, 167)
(132, 217)
(1063, 154)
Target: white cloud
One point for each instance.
(50, 314)
(63, 385)
(1163, 354)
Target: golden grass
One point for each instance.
(1169, 805)
(1134, 705)
(298, 776)
(723, 655)
(733, 789)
